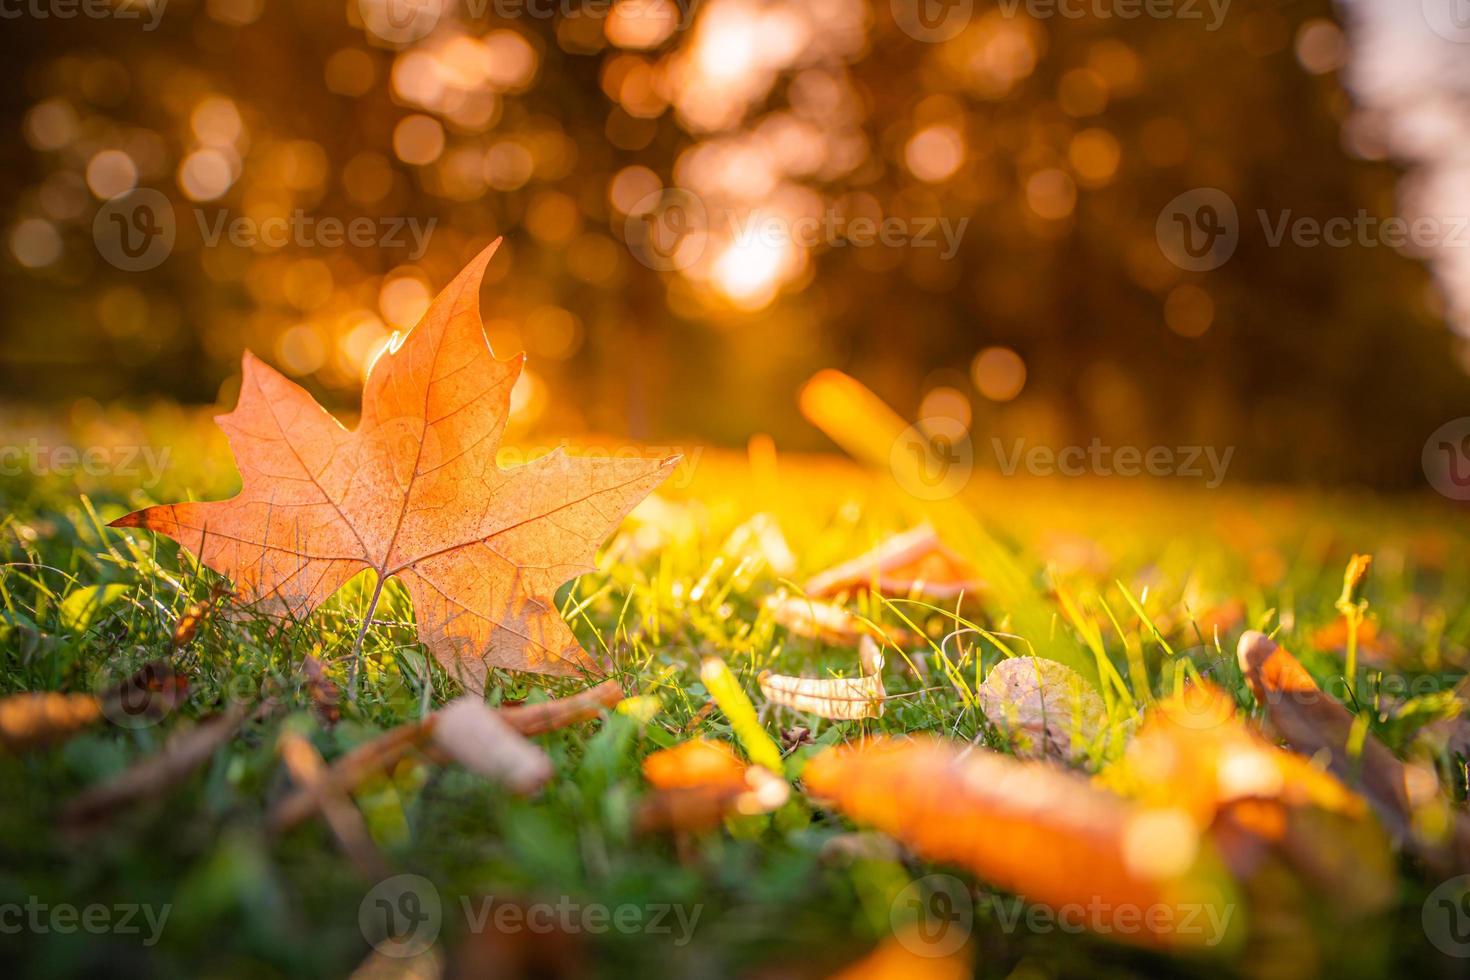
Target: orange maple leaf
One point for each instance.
(414, 492)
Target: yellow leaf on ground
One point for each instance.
(1045, 708)
(842, 698)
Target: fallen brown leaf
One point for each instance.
(827, 621)
(469, 732)
(916, 561)
(308, 771)
(1406, 797)
(30, 720)
(1044, 707)
(844, 698)
(700, 807)
(350, 770)
(380, 754)
(1258, 801)
(697, 762)
(414, 493)
(534, 719)
(1032, 829)
(700, 782)
(147, 779)
(1315, 725)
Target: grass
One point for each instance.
(1134, 583)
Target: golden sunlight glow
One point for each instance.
(403, 299)
(946, 402)
(999, 373)
(206, 174)
(935, 153)
(748, 273)
(641, 24)
(528, 397)
(111, 173)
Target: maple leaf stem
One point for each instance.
(357, 643)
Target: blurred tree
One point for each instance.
(1045, 147)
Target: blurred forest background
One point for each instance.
(1060, 139)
